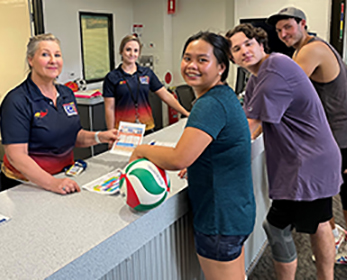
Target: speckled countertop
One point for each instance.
(85, 235)
(82, 235)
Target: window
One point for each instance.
(96, 45)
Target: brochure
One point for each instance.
(106, 184)
(129, 136)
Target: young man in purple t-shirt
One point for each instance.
(303, 159)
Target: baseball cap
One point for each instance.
(286, 13)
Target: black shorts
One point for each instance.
(343, 191)
(304, 216)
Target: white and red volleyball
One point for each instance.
(144, 185)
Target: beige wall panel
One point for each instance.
(14, 33)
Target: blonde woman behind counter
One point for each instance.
(126, 89)
(40, 124)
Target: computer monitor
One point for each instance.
(241, 80)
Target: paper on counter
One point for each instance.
(163, 144)
(106, 184)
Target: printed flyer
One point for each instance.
(129, 136)
(107, 184)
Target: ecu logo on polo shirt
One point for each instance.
(144, 80)
(70, 109)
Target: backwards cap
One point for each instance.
(285, 13)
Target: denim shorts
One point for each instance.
(219, 247)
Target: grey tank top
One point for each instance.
(334, 99)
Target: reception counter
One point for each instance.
(92, 236)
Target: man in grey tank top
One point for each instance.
(327, 72)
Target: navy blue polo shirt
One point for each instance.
(27, 116)
(116, 85)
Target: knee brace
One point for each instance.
(281, 243)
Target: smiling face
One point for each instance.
(290, 32)
(47, 61)
(247, 53)
(199, 67)
(131, 52)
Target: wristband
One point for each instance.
(97, 137)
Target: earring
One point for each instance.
(220, 73)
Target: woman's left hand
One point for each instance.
(108, 136)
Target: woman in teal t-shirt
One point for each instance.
(216, 148)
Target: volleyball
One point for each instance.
(144, 185)
(82, 84)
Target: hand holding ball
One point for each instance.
(144, 185)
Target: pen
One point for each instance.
(152, 142)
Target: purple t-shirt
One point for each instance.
(303, 159)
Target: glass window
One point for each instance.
(97, 45)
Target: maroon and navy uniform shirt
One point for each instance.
(116, 85)
(28, 117)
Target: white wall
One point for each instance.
(157, 30)
(168, 32)
(317, 12)
(191, 17)
(62, 19)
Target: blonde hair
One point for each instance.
(34, 42)
(127, 39)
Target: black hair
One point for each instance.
(221, 48)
